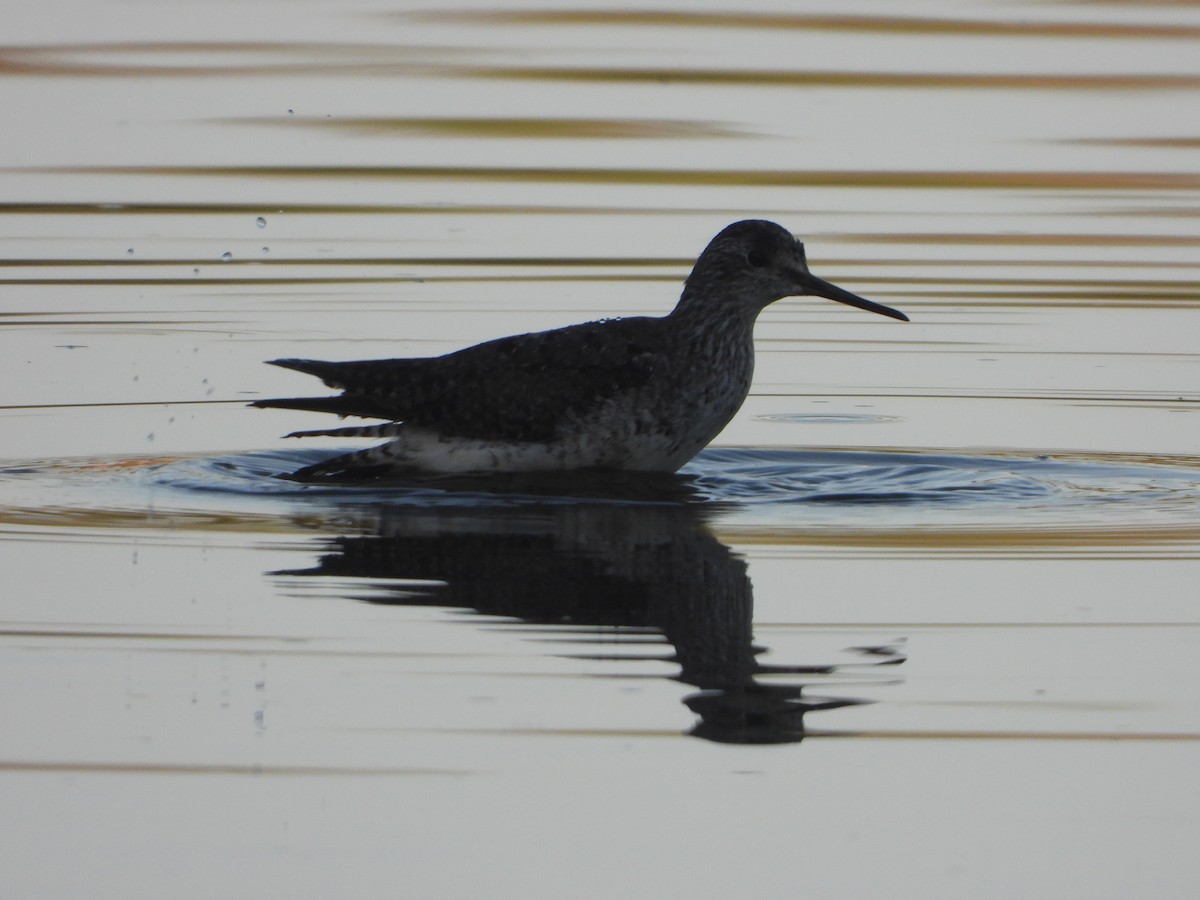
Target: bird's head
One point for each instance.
(754, 263)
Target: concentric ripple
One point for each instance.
(901, 489)
(785, 485)
(777, 487)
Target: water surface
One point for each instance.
(921, 621)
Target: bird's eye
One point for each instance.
(756, 258)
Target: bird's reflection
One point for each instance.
(626, 560)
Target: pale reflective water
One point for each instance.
(922, 621)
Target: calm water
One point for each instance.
(922, 620)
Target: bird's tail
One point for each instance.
(336, 404)
(357, 379)
(332, 373)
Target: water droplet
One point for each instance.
(130, 251)
(260, 222)
(291, 112)
(266, 249)
(195, 271)
(226, 256)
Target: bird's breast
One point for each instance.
(660, 425)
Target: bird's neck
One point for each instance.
(714, 331)
(707, 311)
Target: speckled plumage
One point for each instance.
(643, 393)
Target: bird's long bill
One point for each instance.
(819, 287)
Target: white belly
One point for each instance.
(426, 451)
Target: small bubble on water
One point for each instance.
(226, 256)
(261, 222)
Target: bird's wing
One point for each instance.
(515, 388)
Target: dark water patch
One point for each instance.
(1185, 288)
(930, 180)
(850, 24)
(199, 59)
(539, 127)
(1028, 238)
(182, 208)
(831, 78)
(234, 262)
(1158, 143)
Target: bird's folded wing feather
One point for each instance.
(515, 388)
